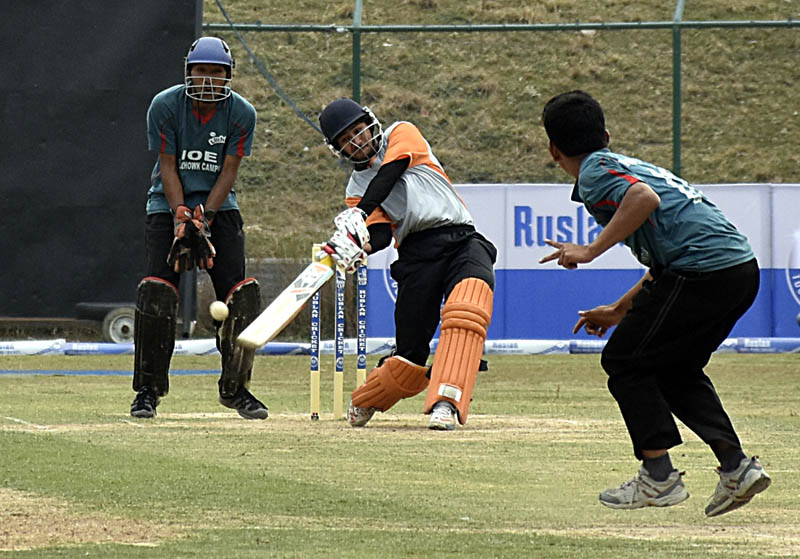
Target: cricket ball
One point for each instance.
(218, 310)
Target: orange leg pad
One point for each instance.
(386, 385)
(465, 318)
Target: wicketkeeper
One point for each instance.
(398, 189)
(201, 129)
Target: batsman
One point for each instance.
(399, 190)
(201, 130)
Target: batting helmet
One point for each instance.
(208, 50)
(340, 115)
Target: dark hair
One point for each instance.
(574, 122)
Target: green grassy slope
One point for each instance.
(478, 96)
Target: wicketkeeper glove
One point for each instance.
(204, 251)
(192, 243)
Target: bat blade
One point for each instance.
(286, 306)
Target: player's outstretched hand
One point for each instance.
(597, 321)
(346, 253)
(569, 255)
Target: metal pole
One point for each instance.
(501, 27)
(676, 87)
(357, 51)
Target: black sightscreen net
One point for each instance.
(74, 159)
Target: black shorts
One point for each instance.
(227, 236)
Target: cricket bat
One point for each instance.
(287, 305)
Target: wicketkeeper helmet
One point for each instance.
(208, 50)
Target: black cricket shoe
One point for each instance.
(144, 405)
(247, 405)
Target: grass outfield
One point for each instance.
(81, 478)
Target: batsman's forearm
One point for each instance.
(382, 184)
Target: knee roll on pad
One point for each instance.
(154, 333)
(465, 318)
(244, 304)
(387, 384)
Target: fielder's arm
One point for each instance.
(635, 208)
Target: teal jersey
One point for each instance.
(686, 232)
(199, 144)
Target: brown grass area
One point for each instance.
(30, 521)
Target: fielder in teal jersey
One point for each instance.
(702, 277)
(687, 231)
(201, 130)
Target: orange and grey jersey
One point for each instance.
(423, 198)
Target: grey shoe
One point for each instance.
(358, 417)
(145, 402)
(443, 417)
(247, 405)
(644, 491)
(735, 489)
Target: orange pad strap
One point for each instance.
(395, 379)
(465, 318)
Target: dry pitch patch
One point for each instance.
(31, 521)
(480, 427)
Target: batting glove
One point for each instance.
(352, 222)
(346, 253)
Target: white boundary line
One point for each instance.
(23, 422)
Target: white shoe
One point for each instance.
(735, 489)
(358, 417)
(644, 491)
(443, 417)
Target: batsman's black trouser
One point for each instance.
(429, 265)
(227, 236)
(656, 354)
